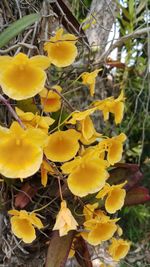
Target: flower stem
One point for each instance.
(64, 99)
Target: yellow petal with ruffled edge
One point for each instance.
(115, 200)
(104, 191)
(35, 220)
(4, 62)
(80, 115)
(39, 61)
(69, 167)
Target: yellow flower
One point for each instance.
(86, 175)
(88, 78)
(72, 249)
(21, 151)
(45, 169)
(105, 265)
(80, 115)
(85, 125)
(114, 148)
(64, 220)
(88, 211)
(115, 197)
(62, 145)
(51, 101)
(71, 253)
(119, 248)
(23, 77)
(31, 120)
(61, 49)
(119, 231)
(23, 224)
(100, 228)
(111, 105)
(88, 131)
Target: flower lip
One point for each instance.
(62, 145)
(88, 177)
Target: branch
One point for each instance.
(121, 41)
(11, 110)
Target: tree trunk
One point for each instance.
(105, 14)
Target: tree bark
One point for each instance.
(105, 14)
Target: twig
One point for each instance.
(121, 41)
(11, 110)
(16, 46)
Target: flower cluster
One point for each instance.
(73, 153)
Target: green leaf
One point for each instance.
(27, 105)
(17, 27)
(131, 8)
(58, 250)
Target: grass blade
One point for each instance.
(17, 27)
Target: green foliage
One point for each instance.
(131, 15)
(80, 8)
(134, 79)
(135, 221)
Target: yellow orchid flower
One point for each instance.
(111, 105)
(115, 197)
(64, 220)
(87, 174)
(21, 151)
(88, 78)
(23, 224)
(119, 248)
(23, 77)
(61, 49)
(45, 169)
(51, 101)
(31, 120)
(100, 228)
(114, 148)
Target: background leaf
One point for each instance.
(137, 195)
(82, 253)
(17, 27)
(59, 249)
